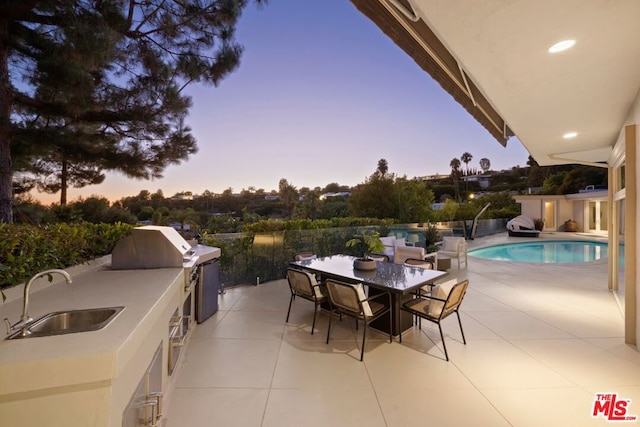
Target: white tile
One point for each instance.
(583, 363)
(301, 319)
(229, 297)
(413, 366)
(228, 363)
(439, 407)
(322, 407)
(541, 341)
(499, 364)
(544, 406)
(581, 324)
(248, 325)
(618, 347)
(310, 364)
(230, 407)
(270, 296)
(518, 325)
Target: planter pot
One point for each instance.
(570, 225)
(364, 264)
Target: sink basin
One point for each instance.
(69, 322)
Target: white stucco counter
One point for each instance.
(86, 378)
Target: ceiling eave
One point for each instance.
(421, 44)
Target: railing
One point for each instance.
(254, 258)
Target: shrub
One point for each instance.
(27, 249)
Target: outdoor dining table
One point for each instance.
(400, 280)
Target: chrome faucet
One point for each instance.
(25, 319)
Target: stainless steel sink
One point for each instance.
(69, 322)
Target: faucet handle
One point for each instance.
(23, 323)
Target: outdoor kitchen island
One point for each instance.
(90, 378)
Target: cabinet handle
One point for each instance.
(178, 341)
(158, 415)
(175, 321)
(155, 402)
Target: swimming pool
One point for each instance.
(547, 252)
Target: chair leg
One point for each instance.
(315, 314)
(364, 336)
(443, 344)
(289, 311)
(391, 328)
(329, 328)
(461, 330)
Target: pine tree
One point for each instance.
(112, 74)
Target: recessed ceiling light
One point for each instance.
(570, 135)
(563, 45)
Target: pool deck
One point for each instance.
(542, 340)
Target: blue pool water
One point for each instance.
(547, 252)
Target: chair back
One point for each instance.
(452, 243)
(455, 298)
(344, 296)
(379, 257)
(403, 252)
(415, 262)
(303, 256)
(301, 282)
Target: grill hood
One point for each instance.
(151, 247)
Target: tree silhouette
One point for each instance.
(110, 70)
(383, 168)
(288, 196)
(455, 175)
(485, 164)
(466, 159)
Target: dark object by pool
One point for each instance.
(524, 233)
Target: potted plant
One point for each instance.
(538, 224)
(431, 236)
(367, 241)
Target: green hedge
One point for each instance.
(262, 251)
(27, 249)
(271, 225)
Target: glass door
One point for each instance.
(598, 216)
(549, 215)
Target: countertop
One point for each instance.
(39, 363)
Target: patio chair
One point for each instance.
(444, 300)
(305, 285)
(303, 256)
(351, 301)
(403, 252)
(421, 263)
(454, 248)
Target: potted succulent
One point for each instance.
(368, 242)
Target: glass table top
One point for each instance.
(389, 276)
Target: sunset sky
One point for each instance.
(320, 96)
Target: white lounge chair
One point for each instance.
(454, 248)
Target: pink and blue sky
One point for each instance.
(320, 96)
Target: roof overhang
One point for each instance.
(492, 57)
(420, 43)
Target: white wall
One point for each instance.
(634, 118)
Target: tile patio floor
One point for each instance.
(541, 341)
